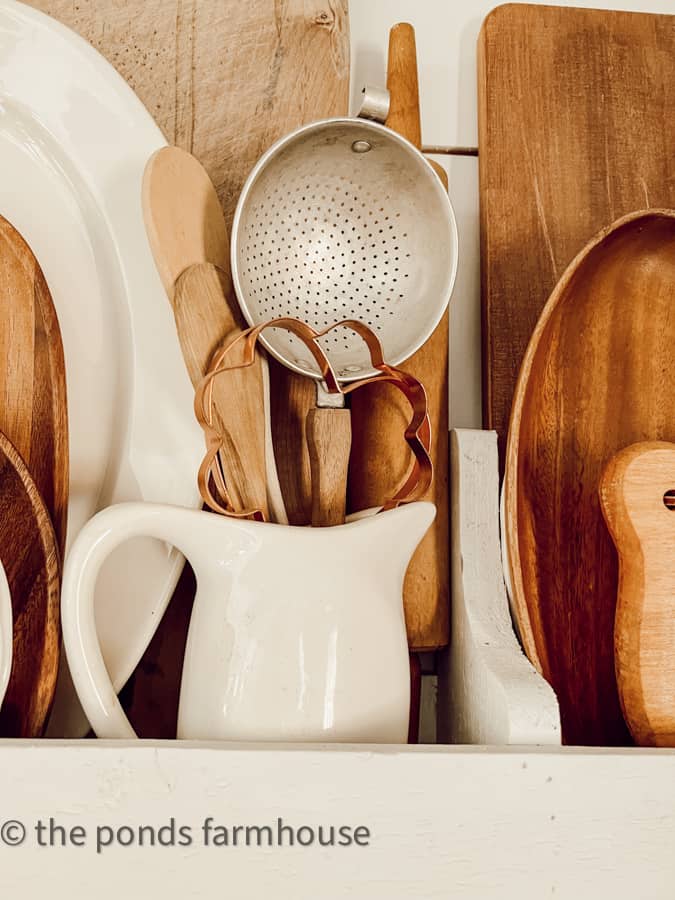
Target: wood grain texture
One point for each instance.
(30, 557)
(576, 128)
(203, 320)
(329, 438)
(224, 79)
(379, 458)
(633, 493)
(33, 408)
(598, 375)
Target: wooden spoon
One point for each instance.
(598, 375)
(33, 408)
(634, 492)
(30, 557)
(189, 241)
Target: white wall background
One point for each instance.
(447, 31)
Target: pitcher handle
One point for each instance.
(95, 542)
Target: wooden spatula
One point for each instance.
(33, 409)
(190, 244)
(636, 493)
(29, 555)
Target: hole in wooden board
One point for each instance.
(669, 500)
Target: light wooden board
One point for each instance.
(30, 558)
(576, 128)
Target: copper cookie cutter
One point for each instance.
(210, 478)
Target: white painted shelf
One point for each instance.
(468, 822)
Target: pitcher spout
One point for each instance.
(392, 537)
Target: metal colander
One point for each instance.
(344, 219)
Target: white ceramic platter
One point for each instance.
(74, 140)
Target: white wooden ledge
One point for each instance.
(488, 691)
(446, 823)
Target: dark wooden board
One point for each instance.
(576, 128)
(598, 375)
(29, 555)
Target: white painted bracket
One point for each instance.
(489, 693)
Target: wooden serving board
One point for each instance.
(33, 409)
(576, 128)
(224, 79)
(598, 375)
(29, 555)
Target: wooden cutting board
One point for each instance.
(33, 410)
(598, 375)
(576, 128)
(224, 79)
(29, 555)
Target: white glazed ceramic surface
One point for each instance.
(297, 634)
(5, 634)
(74, 140)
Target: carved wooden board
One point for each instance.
(576, 128)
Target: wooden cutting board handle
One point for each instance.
(403, 84)
(637, 494)
(379, 460)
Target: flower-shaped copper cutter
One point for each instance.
(417, 434)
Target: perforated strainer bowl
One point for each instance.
(344, 219)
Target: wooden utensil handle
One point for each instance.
(403, 85)
(329, 438)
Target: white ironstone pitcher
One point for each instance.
(297, 634)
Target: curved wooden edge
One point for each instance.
(489, 693)
(44, 446)
(36, 647)
(518, 599)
